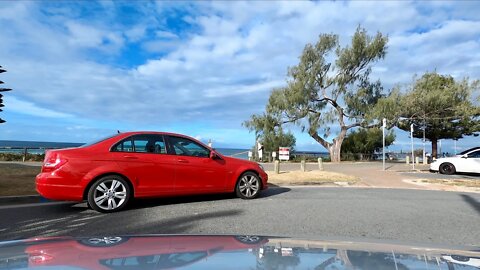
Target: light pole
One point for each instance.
(413, 155)
(383, 140)
(424, 127)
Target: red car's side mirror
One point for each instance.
(213, 155)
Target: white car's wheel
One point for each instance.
(447, 168)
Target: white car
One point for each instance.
(466, 162)
(471, 261)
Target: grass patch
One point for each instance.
(17, 179)
(309, 178)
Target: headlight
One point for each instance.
(261, 167)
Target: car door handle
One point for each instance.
(130, 157)
(182, 160)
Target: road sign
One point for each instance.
(284, 153)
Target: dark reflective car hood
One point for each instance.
(225, 252)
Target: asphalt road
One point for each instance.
(408, 216)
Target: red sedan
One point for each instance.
(112, 171)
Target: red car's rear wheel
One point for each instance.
(109, 194)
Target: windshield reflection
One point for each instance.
(224, 252)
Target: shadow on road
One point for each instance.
(45, 220)
(154, 202)
(472, 202)
(162, 225)
(273, 190)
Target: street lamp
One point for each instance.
(413, 155)
(384, 125)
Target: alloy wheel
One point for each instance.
(249, 185)
(110, 194)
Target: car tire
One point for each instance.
(447, 168)
(248, 186)
(108, 194)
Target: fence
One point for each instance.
(23, 153)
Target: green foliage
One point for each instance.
(366, 141)
(1, 95)
(19, 157)
(271, 136)
(445, 107)
(330, 85)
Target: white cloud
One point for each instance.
(29, 108)
(221, 68)
(165, 34)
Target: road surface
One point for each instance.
(408, 216)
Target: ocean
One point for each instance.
(7, 146)
(39, 148)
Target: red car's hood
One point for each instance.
(226, 252)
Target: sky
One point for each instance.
(83, 70)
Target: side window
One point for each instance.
(475, 154)
(186, 147)
(149, 143)
(124, 146)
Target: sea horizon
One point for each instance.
(38, 147)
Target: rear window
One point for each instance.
(98, 140)
(469, 150)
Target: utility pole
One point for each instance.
(424, 127)
(440, 146)
(413, 155)
(383, 140)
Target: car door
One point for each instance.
(144, 159)
(195, 171)
(471, 163)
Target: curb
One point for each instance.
(12, 200)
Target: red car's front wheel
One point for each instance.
(248, 186)
(109, 194)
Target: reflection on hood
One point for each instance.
(224, 252)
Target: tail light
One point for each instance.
(53, 161)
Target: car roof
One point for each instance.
(153, 132)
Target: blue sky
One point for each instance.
(82, 70)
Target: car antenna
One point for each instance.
(118, 131)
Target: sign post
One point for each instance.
(383, 140)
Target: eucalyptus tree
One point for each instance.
(329, 91)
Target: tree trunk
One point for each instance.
(434, 148)
(334, 151)
(334, 147)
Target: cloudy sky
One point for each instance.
(82, 70)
